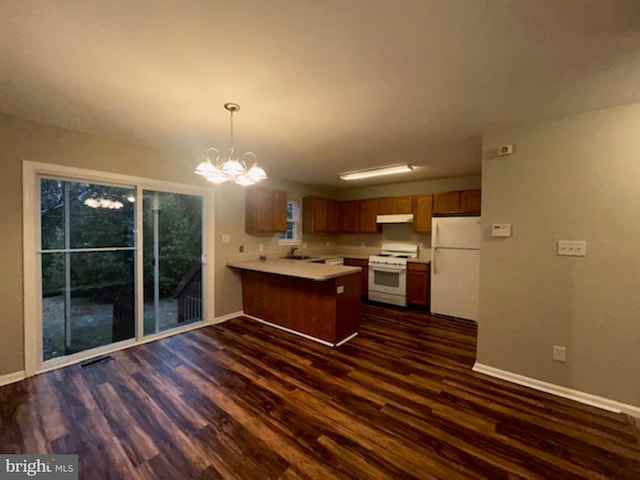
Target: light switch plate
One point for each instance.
(226, 238)
(572, 248)
(559, 353)
(340, 289)
(501, 230)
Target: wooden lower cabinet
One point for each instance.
(418, 281)
(364, 276)
(325, 310)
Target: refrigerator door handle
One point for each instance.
(435, 234)
(433, 260)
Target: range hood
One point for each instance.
(397, 218)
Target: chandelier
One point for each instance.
(230, 168)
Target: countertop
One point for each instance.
(296, 268)
(419, 260)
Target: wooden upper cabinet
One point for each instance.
(392, 205)
(403, 204)
(447, 202)
(319, 215)
(422, 213)
(265, 210)
(368, 214)
(279, 211)
(471, 201)
(332, 216)
(314, 215)
(350, 216)
(458, 202)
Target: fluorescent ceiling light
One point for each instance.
(375, 172)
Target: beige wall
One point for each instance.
(21, 140)
(573, 179)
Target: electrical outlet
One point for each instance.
(226, 238)
(241, 248)
(572, 248)
(559, 353)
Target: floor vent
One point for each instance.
(96, 361)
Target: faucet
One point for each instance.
(292, 250)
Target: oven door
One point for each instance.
(388, 280)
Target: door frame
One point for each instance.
(32, 275)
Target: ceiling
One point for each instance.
(325, 87)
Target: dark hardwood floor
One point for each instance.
(242, 400)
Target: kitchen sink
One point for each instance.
(301, 257)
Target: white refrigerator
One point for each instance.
(455, 266)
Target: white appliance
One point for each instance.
(395, 218)
(388, 273)
(334, 261)
(455, 266)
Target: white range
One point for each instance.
(388, 273)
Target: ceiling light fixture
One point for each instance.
(375, 172)
(230, 168)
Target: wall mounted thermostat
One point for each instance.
(501, 230)
(505, 150)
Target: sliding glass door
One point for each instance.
(98, 243)
(172, 228)
(88, 255)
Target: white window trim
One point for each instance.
(32, 294)
(298, 239)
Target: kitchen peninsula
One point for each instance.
(317, 301)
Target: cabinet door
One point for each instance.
(470, 201)
(391, 205)
(351, 216)
(418, 284)
(332, 216)
(259, 210)
(402, 204)
(368, 214)
(314, 215)
(279, 211)
(364, 278)
(447, 202)
(385, 206)
(422, 213)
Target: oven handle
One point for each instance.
(389, 270)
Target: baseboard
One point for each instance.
(12, 378)
(228, 316)
(564, 392)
